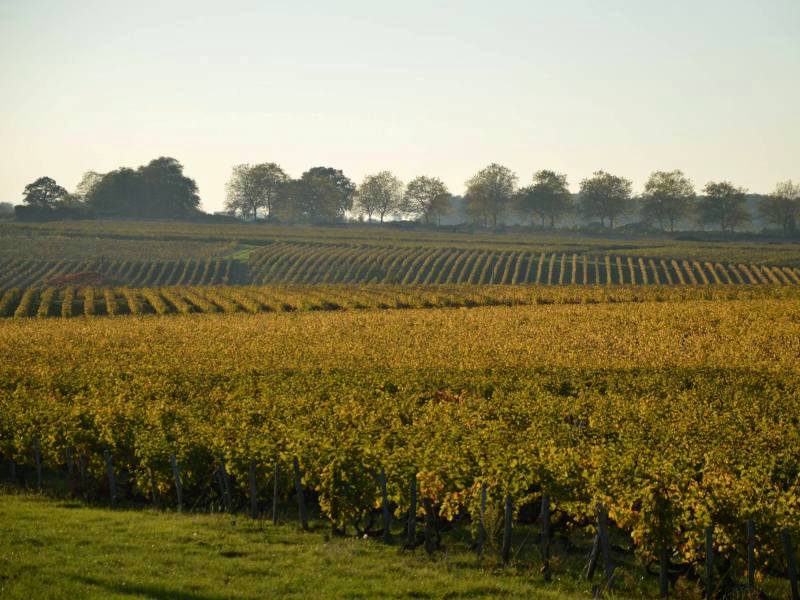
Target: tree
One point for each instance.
(605, 196)
(255, 187)
(345, 188)
(43, 193)
(548, 198)
(89, 180)
(381, 193)
(158, 189)
(489, 193)
(427, 198)
(667, 198)
(310, 199)
(782, 207)
(168, 192)
(6, 209)
(117, 193)
(723, 205)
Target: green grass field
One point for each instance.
(65, 549)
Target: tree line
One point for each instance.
(325, 195)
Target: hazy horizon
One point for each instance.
(628, 87)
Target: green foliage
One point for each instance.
(606, 197)
(724, 205)
(43, 193)
(489, 194)
(548, 198)
(667, 199)
(158, 189)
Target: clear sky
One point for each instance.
(418, 87)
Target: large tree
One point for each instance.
(310, 199)
(254, 187)
(667, 199)
(169, 193)
(380, 194)
(87, 183)
(723, 204)
(548, 198)
(43, 193)
(155, 190)
(489, 193)
(606, 197)
(344, 186)
(782, 207)
(427, 198)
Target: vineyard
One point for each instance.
(312, 263)
(616, 420)
(74, 301)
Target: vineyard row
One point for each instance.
(656, 455)
(91, 301)
(326, 263)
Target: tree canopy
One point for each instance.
(158, 189)
(782, 207)
(548, 198)
(43, 193)
(380, 194)
(668, 197)
(606, 197)
(427, 198)
(489, 193)
(723, 205)
(254, 187)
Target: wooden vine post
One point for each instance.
(430, 541)
(387, 517)
(508, 515)
(37, 455)
(253, 490)
(176, 476)
(301, 500)
(112, 481)
(791, 563)
(751, 555)
(224, 485)
(275, 494)
(411, 532)
(482, 523)
(545, 537)
(605, 543)
(709, 562)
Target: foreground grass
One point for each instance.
(58, 549)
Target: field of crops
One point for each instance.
(308, 263)
(319, 263)
(72, 301)
(666, 427)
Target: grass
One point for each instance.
(67, 549)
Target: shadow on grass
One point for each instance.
(149, 591)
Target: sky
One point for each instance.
(440, 88)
